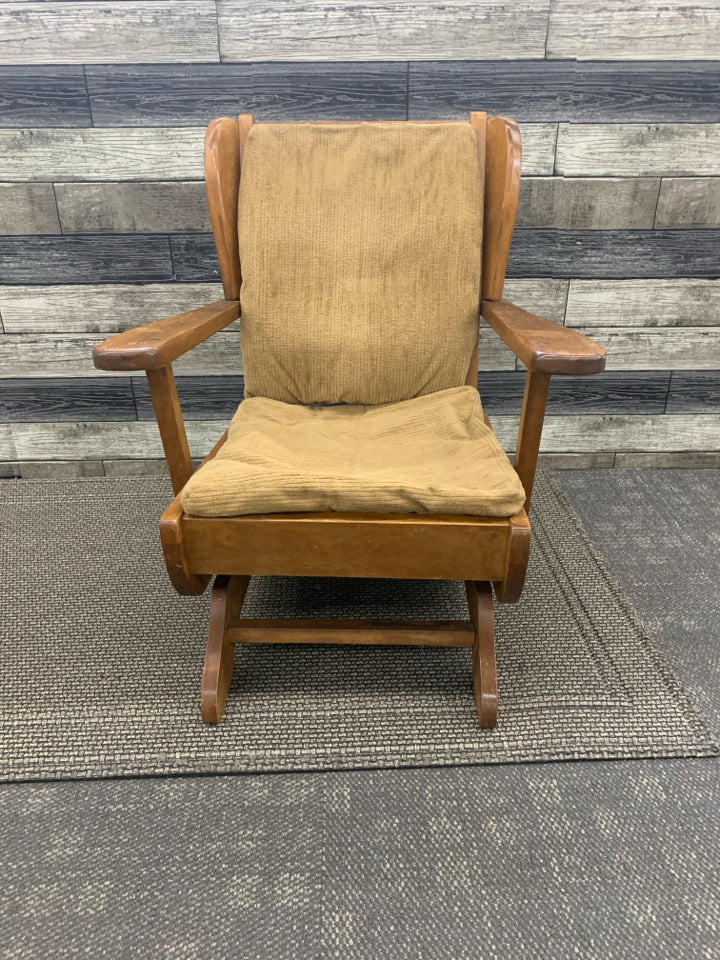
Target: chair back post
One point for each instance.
(503, 166)
(478, 121)
(224, 143)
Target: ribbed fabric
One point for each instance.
(360, 247)
(432, 454)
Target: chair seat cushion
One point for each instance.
(429, 454)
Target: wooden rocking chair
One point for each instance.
(368, 252)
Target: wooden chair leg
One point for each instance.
(228, 594)
(482, 615)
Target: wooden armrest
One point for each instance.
(157, 344)
(543, 345)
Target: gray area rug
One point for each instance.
(101, 660)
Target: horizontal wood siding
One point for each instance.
(132, 207)
(689, 203)
(43, 96)
(644, 303)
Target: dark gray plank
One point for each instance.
(194, 257)
(130, 207)
(381, 30)
(615, 253)
(27, 208)
(66, 399)
(695, 391)
(693, 202)
(634, 30)
(547, 90)
(194, 93)
(108, 31)
(86, 259)
(633, 392)
(41, 96)
(202, 398)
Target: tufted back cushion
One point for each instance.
(360, 249)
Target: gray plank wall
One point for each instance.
(104, 223)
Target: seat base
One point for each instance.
(228, 628)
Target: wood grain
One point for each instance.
(547, 90)
(637, 149)
(381, 30)
(160, 207)
(503, 169)
(194, 257)
(689, 202)
(160, 95)
(142, 31)
(644, 303)
(694, 391)
(660, 348)
(103, 154)
(595, 434)
(546, 296)
(91, 259)
(588, 203)
(615, 253)
(202, 398)
(66, 400)
(28, 208)
(634, 30)
(88, 308)
(43, 97)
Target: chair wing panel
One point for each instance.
(503, 167)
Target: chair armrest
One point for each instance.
(543, 345)
(157, 344)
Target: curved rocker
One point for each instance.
(228, 594)
(482, 616)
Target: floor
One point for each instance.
(613, 859)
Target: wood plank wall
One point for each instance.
(104, 223)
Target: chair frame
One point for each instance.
(479, 550)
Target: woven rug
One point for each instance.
(101, 659)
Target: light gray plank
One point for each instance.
(614, 434)
(382, 30)
(538, 146)
(546, 297)
(634, 30)
(588, 203)
(577, 461)
(7, 444)
(685, 459)
(638, 149)
(689, 203)
(136, 468)
(644, 303)
(27, 208)
(60, 469)
(109, 308)
(114, 31)
(137, 153)
(659, 348)
(161, 207)
(70, 355)
(593, 435)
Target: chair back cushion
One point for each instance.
(360, 250)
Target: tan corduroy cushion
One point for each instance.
(360, 247)
(431, 454)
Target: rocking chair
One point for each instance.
(368, 252)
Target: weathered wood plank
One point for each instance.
(634, 30)
(84, 308)
(67, 399)
(615, 253)
(202, 398)
(659, 348)
(694, 391)
(545, 296)
(70, 355)
(381, 30)
(43, 97)
(103, 154)
(194, 93)
(7, 446)
(613, 434)
(595, 434)
(141, 31)
(194, 257)
(577, 461)
(547, 90)
(159, 207)
(588, 203)
(687, 460)
(90, 259)
(689, 203)
(59, 469)
(626, 392)
(644, 303)
(28, 208)
(538, 147)
(637, 149)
